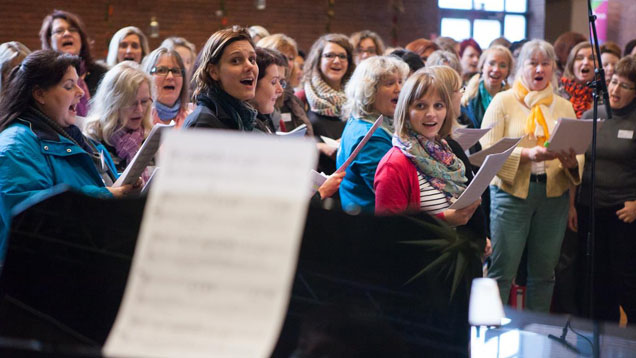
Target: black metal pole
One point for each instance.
(600, 89)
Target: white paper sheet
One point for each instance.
(317, 179)
(482, 179)
(299, 131)
(214, 262)
(572, 133)
(477, 159)
(330, 142)
(144, 155)
(467, 137)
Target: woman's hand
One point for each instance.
(573, 220)
(124, 190)
(538, 154)
(568, 159)
(487, 249)
(331, 185)
(460, 217)
(628, 212)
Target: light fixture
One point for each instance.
(485, 307)
(154, 27)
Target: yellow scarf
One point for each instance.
(534, 100)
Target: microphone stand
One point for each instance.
(600, 89)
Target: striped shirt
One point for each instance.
(432, 200)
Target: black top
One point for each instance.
(331, 127)
(477, 223)
(217, 109)
(615, 159)
(94, 74)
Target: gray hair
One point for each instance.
(11, 55)
(113, 47)
(117, 89)
(151, 60)
(444, 58)
(529, 49)
(363, 85)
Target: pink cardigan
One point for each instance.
(397, 188)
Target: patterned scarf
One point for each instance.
(580, 95)
(435, 160)
(535, 100)
(323, 99)
(127, 142)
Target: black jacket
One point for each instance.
(209, 113)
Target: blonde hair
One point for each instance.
(113, 47)
(417, 85)
(450, 79)
(529, 49)
(363, 85)
(444, 58)
(117, 90)
(472, 87)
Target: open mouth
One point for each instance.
(247, 81)
(538, 78)
(73, 108)
(614, 98)
(129, 58)
(429, 124)
(134, 119)
(67, 43)
(394, 101)
(169, 88)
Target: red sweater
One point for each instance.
(396, 186)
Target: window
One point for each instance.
(483, 20)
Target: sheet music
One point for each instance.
(502, 145)
(144, 155)
(572, 133)
(363, 142)
(214, 262)
(467, 137)
(317, 179)
(330, 142)
(482, 179)
(299, 131)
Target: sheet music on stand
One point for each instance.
(214, 264)
(144, 155)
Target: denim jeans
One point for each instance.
(538, 222)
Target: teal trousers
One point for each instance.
(538, 222)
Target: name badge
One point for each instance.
(286, 117)
(625, 134)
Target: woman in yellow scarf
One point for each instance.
(529, 196)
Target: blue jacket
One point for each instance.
(34, 159)
(356, 189)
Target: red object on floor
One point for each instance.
(517, 297)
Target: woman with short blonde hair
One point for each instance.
(120, 112)
(373, 90)
(127, 44)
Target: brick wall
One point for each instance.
(195, 20)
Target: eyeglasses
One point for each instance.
(462, 89)
(370, 50)
(332, 56)
(283, 83)
(622, 85)
(61, 30)
(144, 103)
(163, 71)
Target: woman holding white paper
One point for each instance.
(120, 112)
(529, 195)
(40, 146)
(615, 200)
(373, 90)
(421, 172)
